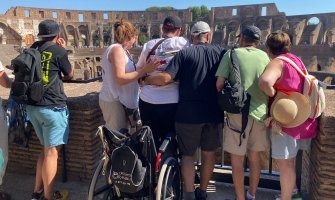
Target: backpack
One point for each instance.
(313, 89)
(233, 98)
(28, 87)
(129, 166)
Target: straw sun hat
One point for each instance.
(290, 109)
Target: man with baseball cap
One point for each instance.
(252, 63)
(198, 118)
(50, 116)
(158, 104)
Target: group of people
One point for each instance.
(175, 84)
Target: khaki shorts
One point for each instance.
(192, 136)
(256, 136)
(114, 115)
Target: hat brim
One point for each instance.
(304, 108)
(50, 35)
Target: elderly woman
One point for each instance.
(278, 76)
(120, 87)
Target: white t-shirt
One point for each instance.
(161, 94)
(111, 91)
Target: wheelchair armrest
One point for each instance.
(164, 145)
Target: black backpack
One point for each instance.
(28, 87)
(233, 98)
(129, 166)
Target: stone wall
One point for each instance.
(318, 174)
(83, 150)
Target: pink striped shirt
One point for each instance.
(291, 80)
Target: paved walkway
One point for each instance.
(20, 186)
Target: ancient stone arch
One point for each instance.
(311, 34)
(29, 39)
(264, 26)
(95, 37)
(71, 37)
(155, 31)
(232, 31)
(278, 24)
(247, 23)
(3, 33)
(219, 27)
(83, 35)
(106, 35)
(329, 36)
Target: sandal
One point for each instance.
(4, 195)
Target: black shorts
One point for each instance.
(191, 136)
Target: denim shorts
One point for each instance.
(286, 147)
(51, 124)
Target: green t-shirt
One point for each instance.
(252, 63)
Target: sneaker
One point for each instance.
(57, 196)
(37, 195)
(248, 196)
(199, 194)
(295, 196)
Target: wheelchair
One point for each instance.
(162, 179)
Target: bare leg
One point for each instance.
(238, 175)
(38, 177)
(207, 167)
(188, 171)
(255, 168)
(287, 177)
(49, 170)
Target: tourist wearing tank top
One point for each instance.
(281, 76)
(119, 74)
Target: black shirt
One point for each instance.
(195, 69)
(54, 62)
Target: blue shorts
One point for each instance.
(51, 124)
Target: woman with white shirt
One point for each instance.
(120, 87)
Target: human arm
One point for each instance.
(159, 79)
(170, 74)
(270, 76)
(222, 72)
(220, 83)
(66, 68)
(5, 81)
(116, 57)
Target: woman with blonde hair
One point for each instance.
(120, 88)
(280, 78)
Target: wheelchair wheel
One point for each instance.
(169, 184)
(99, 188)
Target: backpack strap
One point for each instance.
(235, 64)
(154, 48)
(295, 66)
(245, 111)
(45, 46)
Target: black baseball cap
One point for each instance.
(252, 32)
(172, 22)
(48, 28)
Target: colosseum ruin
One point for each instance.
(88, 32)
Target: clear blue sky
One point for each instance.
(290, 7)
